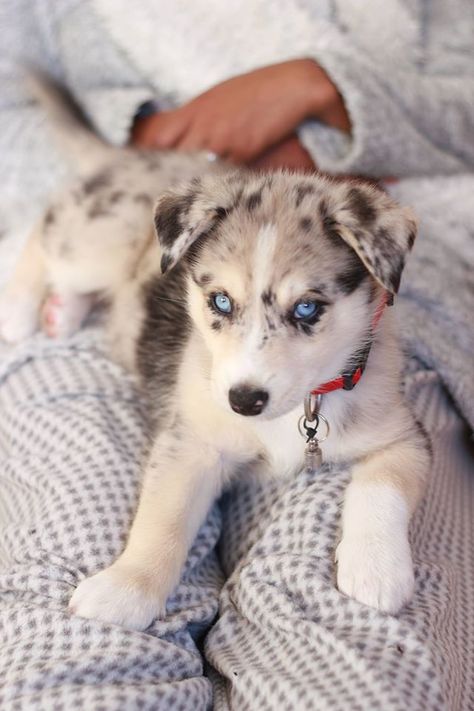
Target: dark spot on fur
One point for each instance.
(98, 209)
(306, 328)
(411, 239)
(49, 218)
(383, 238)
(254, 200)
(301, 192)
(389, 260)
(330, 225)
(142, 198)
(237, 198)
(216, 325)
(306, 224)
(362, 206)
(268, 297)
(222, 212)
(101, 180)
(151, 160)
(271, 325)
(352, 276)
(203, 279)
(116, 196)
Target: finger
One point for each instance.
(242, 153)
(168, 128)
(247, 146)
(140, 135)
(197, 138)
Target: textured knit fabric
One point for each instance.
(71, 432)
(71, 435)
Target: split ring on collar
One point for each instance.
(311, 407)
(303, 425)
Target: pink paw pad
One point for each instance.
(63, 315)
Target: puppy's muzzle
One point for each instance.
(246, 400)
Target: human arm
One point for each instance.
(251, 117)
(404, 122)
(406, 118)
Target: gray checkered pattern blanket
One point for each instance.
(256, 622)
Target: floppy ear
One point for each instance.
(183, 216)
(379, 230)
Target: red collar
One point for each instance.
(348, 380)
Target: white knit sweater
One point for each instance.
(404, 67)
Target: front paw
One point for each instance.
(120, 595)
(376, 570)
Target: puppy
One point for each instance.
(260, 291)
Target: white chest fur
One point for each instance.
(281, 442)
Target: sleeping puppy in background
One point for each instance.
(260, 291)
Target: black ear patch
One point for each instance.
(380, 232)
(181, 218)
(362, 206)
(169, 215)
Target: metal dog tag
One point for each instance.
(308, 426)
(313, 457)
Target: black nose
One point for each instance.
(246, 400)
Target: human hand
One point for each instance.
(243, 117)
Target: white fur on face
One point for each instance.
(263, 259)
(258, 346)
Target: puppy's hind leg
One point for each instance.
(64, 313)
(20, 302)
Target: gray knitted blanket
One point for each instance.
(256, 622)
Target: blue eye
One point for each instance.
(304, 310)
(222, 303)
